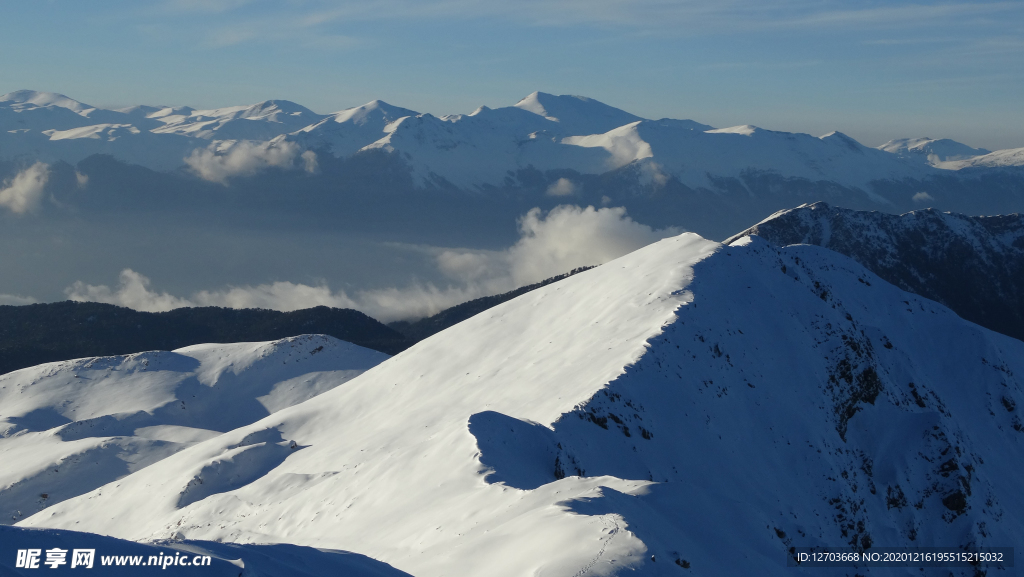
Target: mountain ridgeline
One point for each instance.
(972, 264)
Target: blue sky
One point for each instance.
(874, 70)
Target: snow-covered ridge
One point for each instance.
(972, 264)
(935, 152)
(999, 158)
(470, 151)
(689, 404)
(69, 427)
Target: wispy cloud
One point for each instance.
(565, 238)
(690, 15)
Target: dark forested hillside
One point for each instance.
(34, 334)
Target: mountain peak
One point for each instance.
(578, 115)
(848, 141)
(285, 106)
(374, 108)
(43, 99)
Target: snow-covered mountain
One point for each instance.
(484, 149)
(348, 131)
(932, 151)
(999, 158)
(67, 428)
(688, 406)
(972, 264)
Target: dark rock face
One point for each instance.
(972, 264)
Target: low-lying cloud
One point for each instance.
(226, 159)
(132, 292)
(24, 192)
(550, 244)
(16, 300)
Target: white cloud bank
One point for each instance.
(24, 192)
(550, 244)
(16, 300)
(229, 158)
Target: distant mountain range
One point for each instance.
(544, 148)
(470, 151)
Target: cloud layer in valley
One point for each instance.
(550, 244)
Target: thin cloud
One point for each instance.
(685, 15)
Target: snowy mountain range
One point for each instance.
(972, 264)
(69, 427)
(471, 151)
(690, 406)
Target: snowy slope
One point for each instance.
(689, 404)
(932, 151)
(69, 427)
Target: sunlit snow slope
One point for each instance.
(689, 404)
(69, 427)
